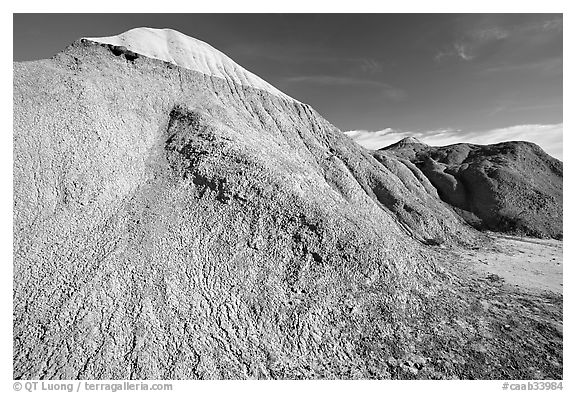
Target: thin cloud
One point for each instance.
(463, 52)
(489, 34)
(547, 136)
(473, 39)
(554, 24)
(370, 66)
(388, 91)
(547, 66)
(514, 107)
(458, 50)
(302, 55)
(335, 80)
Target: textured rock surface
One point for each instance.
(510, 187)
(169, 224)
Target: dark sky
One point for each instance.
(366, 71)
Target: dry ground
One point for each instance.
(514, 286)
(527, 263)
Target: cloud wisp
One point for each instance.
(547, 136)
(547, 67)
(475, 38)
(300, 56)
(459, 50)
(388, 91)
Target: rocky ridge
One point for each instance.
(512, 187)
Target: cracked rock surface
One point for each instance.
(173, 225)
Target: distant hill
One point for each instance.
(512, 187)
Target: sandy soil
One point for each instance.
(533, 264)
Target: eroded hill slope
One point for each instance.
(512, 187)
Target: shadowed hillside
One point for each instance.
(512, 187)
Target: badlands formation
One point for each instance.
(512, 187)
(177, 217)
